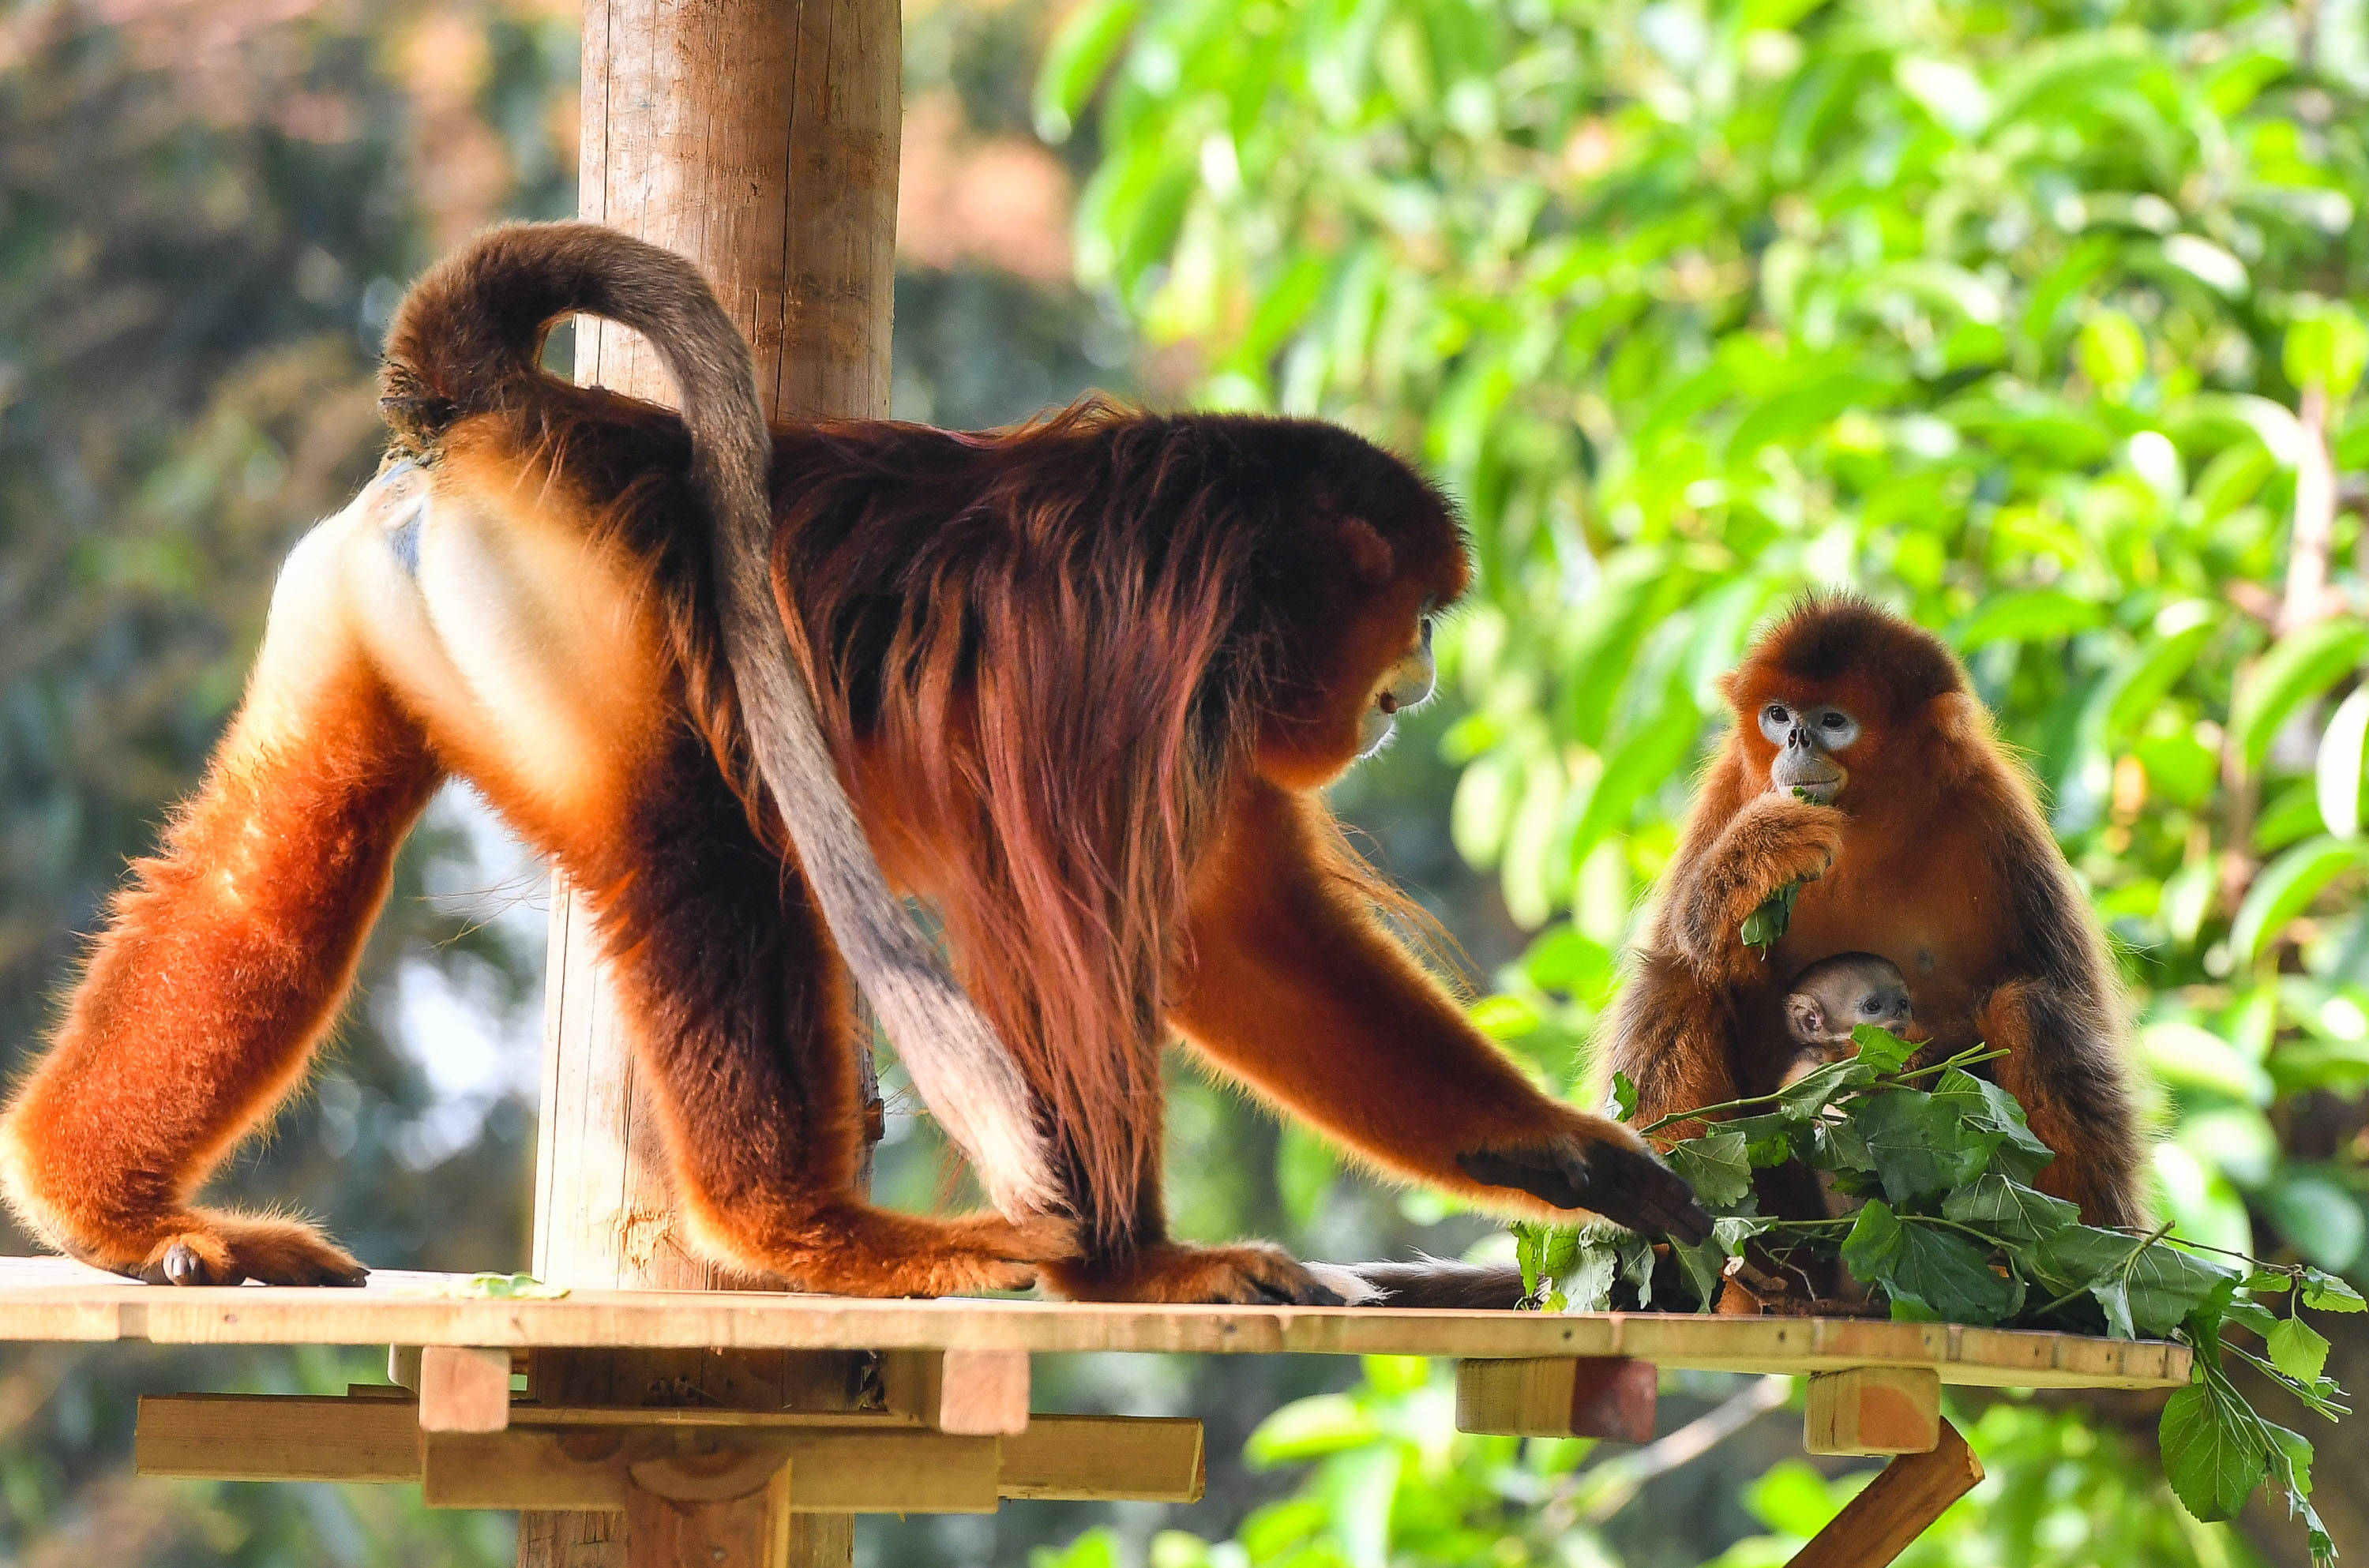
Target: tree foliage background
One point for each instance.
(2034, 320)
(2031, 320)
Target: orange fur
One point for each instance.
(1934, 856)
(1080, 679)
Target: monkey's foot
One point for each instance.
(1170, 1272)
(1611, 1175)
(855, 1250)
(229, 1249)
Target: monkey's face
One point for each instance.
(1810, 739)
(1407, 685)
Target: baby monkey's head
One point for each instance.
(1835, 995)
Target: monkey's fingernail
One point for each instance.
(183, 1266)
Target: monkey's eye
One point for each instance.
(1775, 719)
(1835, 728)
(1871, 1005)
(1426, 624)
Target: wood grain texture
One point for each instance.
(1873, 1410)
(1608, 1397)
(1905, 1498)
(464, 1390)
(37, 1295)
(872, 1465)
(760, 139)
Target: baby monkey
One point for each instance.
(1835, 995)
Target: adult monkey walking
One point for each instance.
(1084, 677)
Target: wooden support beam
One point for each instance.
(276, 1438)
(1874, 1410)
(748, 1529)
(1587, 1396)
(1107, 1458)
(552, 1459)
(1907, 1496)
(463, 1391)
(978, 1393)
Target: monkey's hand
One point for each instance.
(1598, 1165)
(1776, 839)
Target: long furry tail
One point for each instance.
(1426, 1282)
(468, 339)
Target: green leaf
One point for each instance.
(2329, 1294)
(1075, 60)
(2213, 1456)
(1920, 1146)
(2286, 887)
(1764, 926)
(1624, 1096)
(1807, 1096)
(1881, 1048)
(1937, 1270)
(2326, 349)
(1717, 1165)
(2337, 775)
(1309, 1428)
(2296, 668)
(1586, 1282)
(2298, 1349)
(2010, 1210)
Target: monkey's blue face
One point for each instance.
(1407, 685)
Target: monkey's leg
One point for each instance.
(2063, 1067)
(222, 967)
(740, 1011)
(1295, 989)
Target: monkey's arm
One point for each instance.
(1673, 1034)
(1727, 869)
(1290, 986)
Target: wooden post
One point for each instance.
(759, 138)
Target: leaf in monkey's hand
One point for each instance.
(1920, 1146)
(1879, 1049)
(1717, 1165)
(1764, 925)
(1624, 1096)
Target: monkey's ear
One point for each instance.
(1805, 1018)
(1368, 555)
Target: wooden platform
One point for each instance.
(52, 1299)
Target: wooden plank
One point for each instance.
(276, 1438)
(1874, 1410)
(1099, 1459)
(464, 1390)
(1609, 1397)
(909, 1470)
(1896, 1507)
(37, 1294)
(300, 1438)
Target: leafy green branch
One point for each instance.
(1931, 1171)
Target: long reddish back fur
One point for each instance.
(1064, 676)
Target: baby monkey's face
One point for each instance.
(1833, 996)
